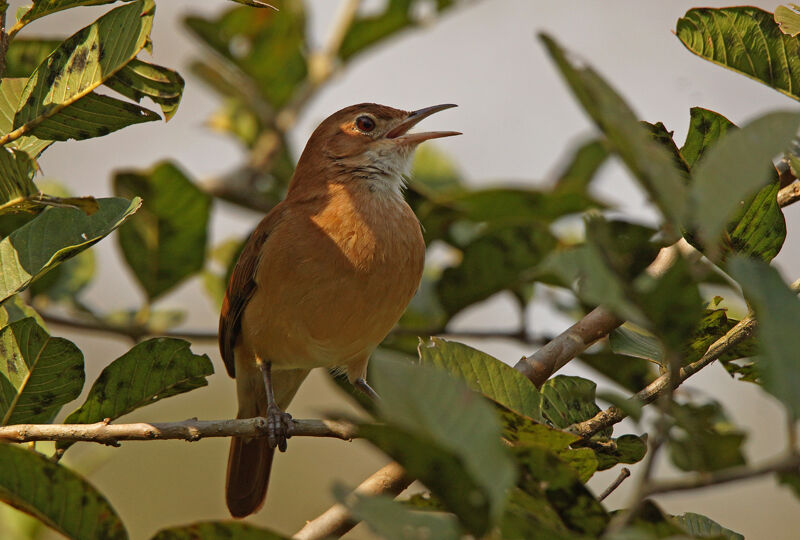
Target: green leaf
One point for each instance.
(530, 515)
(582, 166)
(10, 92)
(24, 55)
(15, 309)
(215, 530)
(137, 80)
(40, 8)
(444, 434)
(544, 471)
(791, 480)
(166, 243)
(66, 281)
(265, 45)
(649, 523)
(435, 172)
(568, 400)
(56, 496)
(648, 161)
(746, 40)
(705, 440)
(521, 432)
(368, 30)
(631, 407)
(82, 63)
(700, 526)
(625, 449)
(735, 168)
(498, 259)
(777, 309)
(254, 3)
(152, 370)
(16, 179)
(54, 236)
(485, 374)
(38, 373)
(706, 127)
(394, 521)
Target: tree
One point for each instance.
(499, 456)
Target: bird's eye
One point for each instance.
(365, 124)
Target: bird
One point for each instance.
(322, 279)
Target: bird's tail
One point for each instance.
(250, 458)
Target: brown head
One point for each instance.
(367, 141)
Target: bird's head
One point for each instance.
(368, 142)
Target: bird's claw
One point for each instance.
(278, 425)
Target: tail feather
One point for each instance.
(249, 465)
(250, 458)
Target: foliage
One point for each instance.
(499, 457)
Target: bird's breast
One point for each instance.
(334, 278)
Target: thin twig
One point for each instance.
(623, 474)
(789, 463)
(4, 37)
(336, 520)
(189, 430)
(613, 415)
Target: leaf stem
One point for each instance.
(623, 474)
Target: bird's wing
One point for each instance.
(241, 288)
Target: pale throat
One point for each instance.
(391, 167)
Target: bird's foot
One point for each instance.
(278, 425)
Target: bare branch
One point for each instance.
(189, 430)
(336, 520)
(649, 393)
(788, 463)
(788, 195)
(623, 474)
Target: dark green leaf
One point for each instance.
(56, 495)
(521, 432)
(15, 309)
(66, 281)
(38, 373)
(705, 440)
(16, 180)
(24, 55)
(626, 248)
(152, 370)
(777, 309)
(137, 80)
(625, 449)
(40, 8)
(530, 515)
(648, 161)
(366, 31)
(649, 523)
(83, 62)
(542, 470)
(734, 169)
(254, 3)
(568, 400)
(54, 236)
(268, 46)
(498, 259)
(703, 527)
(394, 521)
(217, 530)
(705, 129)
(790, 480)
(166, 242)
(485, 374)
(457, 426)
(744, 39)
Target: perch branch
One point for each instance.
(336, 520)
(188, 430)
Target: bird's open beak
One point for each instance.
(400, 132)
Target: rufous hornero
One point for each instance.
(323, 278)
